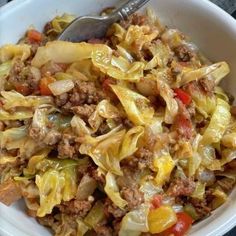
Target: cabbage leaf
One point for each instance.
(137, 107)
(112, 191)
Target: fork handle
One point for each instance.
(127, 9)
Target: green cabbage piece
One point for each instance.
(112, 191)
(218, 123)
(137, 107)
(95, 215)
(199, 191)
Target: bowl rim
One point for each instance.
(231, 26)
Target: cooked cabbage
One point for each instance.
(66, 52)
(10, 51)
(117, 67)
(164, 166)
(137, 107)
(12, 99)
(218, 123)
(135, 221)
(112, 191)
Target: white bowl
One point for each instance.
(213, 30)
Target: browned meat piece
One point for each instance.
(84, 111)
(133, 196)
(79, 208)
(67, 146)
(183, 53)
(102, 230)
(135, 19)
(52, 137)
(182, 123)
(207, 85)
(111, 209)
(23, 79)
(62, 99)
(181, 187)
(233, 110)
(232, 164)
(226, 184)
(98, 176)
(84, 92)
(9, 192)
(201, 207)
(47, 220)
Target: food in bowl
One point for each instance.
(126, 135)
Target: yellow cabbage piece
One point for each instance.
(199, 191)
(50, 187)
(215, 72)
(112, 191)
(117, 67)
(83, 70)
(171, 105)
(16, 115)
(14, 99)
(66, 52)
(161, 55)
(82, 228)
(5, 69)
(136, 36)
(137, 107)
(13, 138)
(60, 22)
(10, 51)
(7, 159)
(161, 219)
(220, 198)
(229, 140)
(56, 185)
(104, 110)
(135, 222)
(164, 166)
(79, 126)
(218, 123)
(108, 150)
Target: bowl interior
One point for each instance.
(208, 26)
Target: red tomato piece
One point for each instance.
(43, 85)
(34, 36)
(184, 97)
(184, 223)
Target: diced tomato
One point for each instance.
(43, 85)
(34, 36)
(23, 89)
(156, 201)
(184, 125)
(184, 97)
(184, 223)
